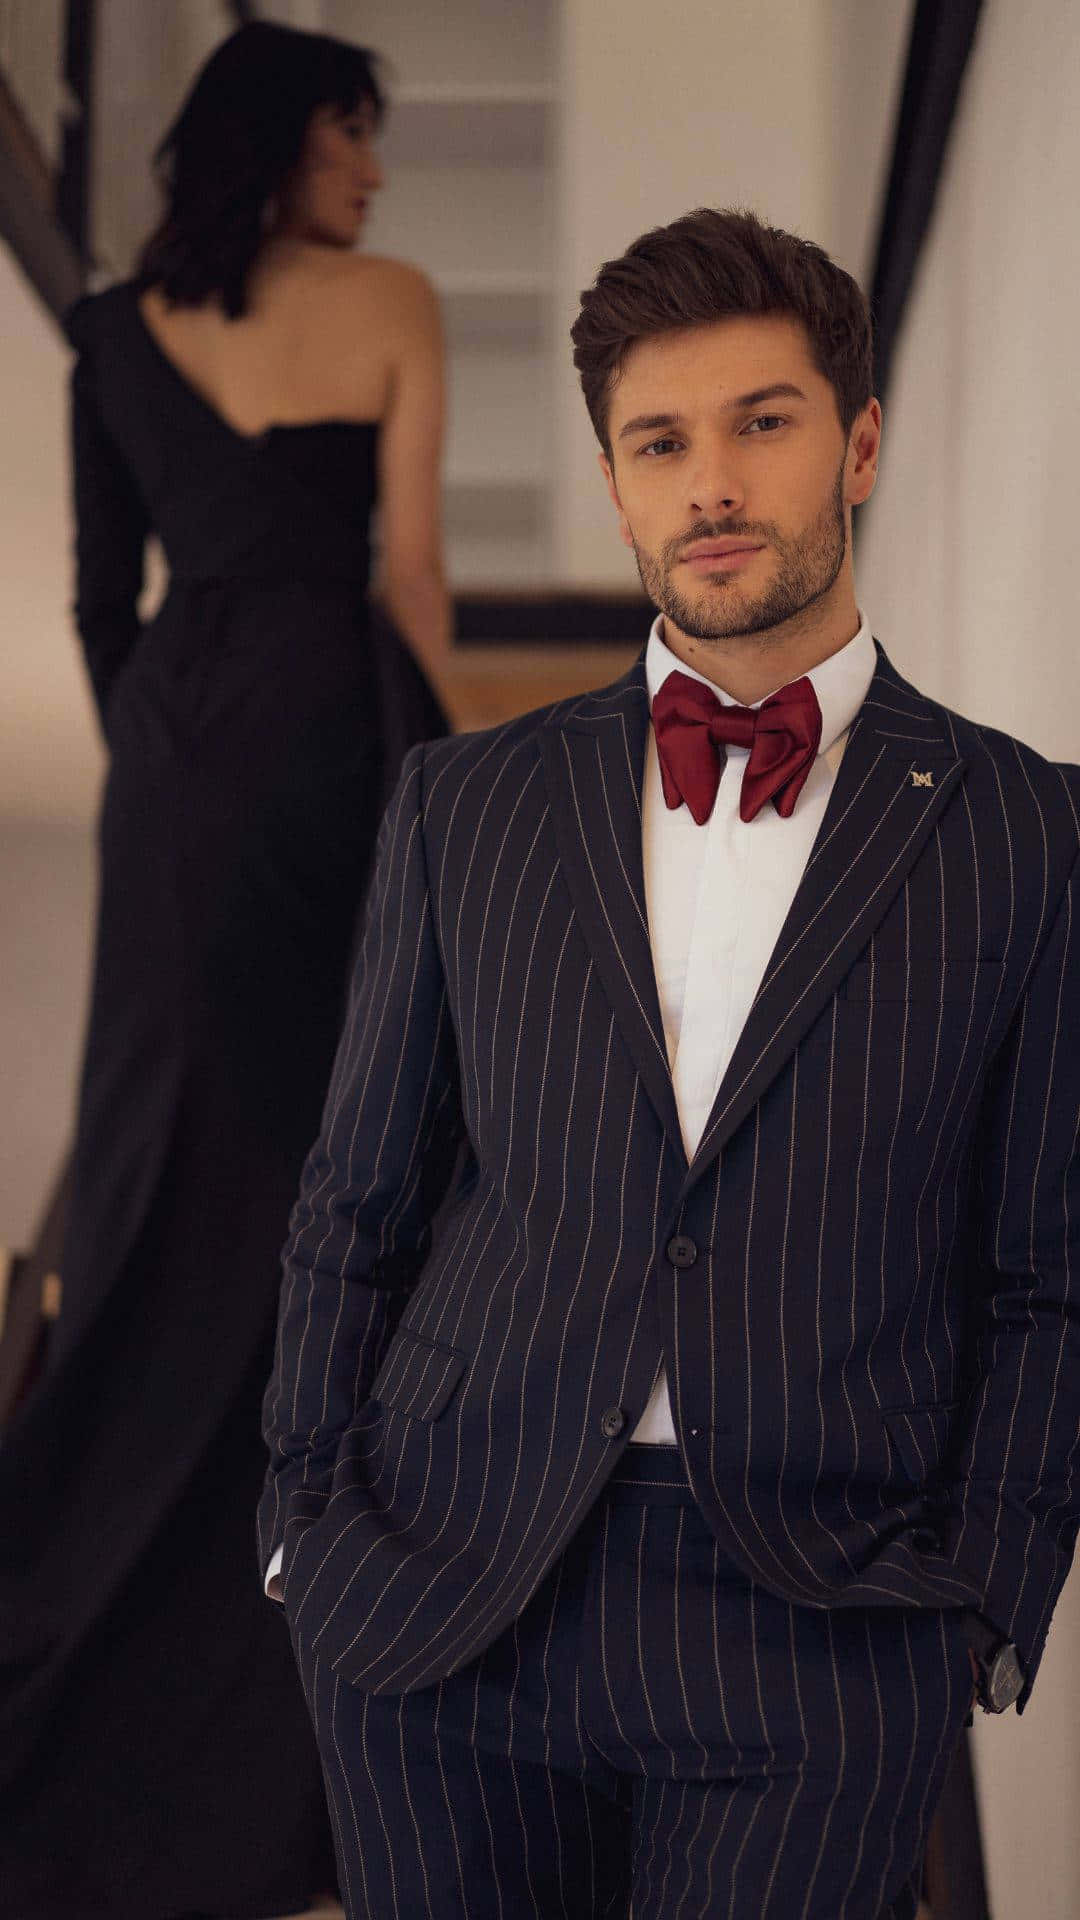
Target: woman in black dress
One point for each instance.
(246, 398)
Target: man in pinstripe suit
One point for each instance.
(644, 1529)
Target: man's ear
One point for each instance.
(625, 534)
(861, 465)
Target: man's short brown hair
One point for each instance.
(709, 266)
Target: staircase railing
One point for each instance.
(46, 97)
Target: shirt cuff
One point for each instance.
(272, 1581)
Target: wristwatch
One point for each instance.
(999, 1677)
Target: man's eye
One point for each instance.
(765, 423)
(659, 446)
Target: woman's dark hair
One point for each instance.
(708, 266)
(234, 143)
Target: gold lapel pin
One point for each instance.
(921, 779)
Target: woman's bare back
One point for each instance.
(320, 340)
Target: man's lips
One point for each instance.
(713, 554)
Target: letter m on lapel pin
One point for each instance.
(921, 779)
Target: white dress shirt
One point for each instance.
(717, 897)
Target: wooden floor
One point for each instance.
(331, 1911)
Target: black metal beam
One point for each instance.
(942, 36)
(73, 189)
(41, 247)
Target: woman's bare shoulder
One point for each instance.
(389, 282)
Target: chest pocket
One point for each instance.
(418, 1376)
(950, 983)
(912, 1040)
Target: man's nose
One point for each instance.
(715, 483)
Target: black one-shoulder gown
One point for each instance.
(155, 1753)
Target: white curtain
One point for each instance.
(969, 569)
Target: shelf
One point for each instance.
(508, 561)
(474, 127)
(494, 284)
(473, 117)
(443, 93)
(553, 617)
(470, 42)
(474, 507)
(507, 307)
(473, 228)
(498, 420)
(497, 532)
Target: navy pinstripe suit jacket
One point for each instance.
(874, 1355)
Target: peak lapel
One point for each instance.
(594, 766)
(899, 772)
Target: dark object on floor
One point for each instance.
(30, 1296)
(570, 618)
(954, 1881)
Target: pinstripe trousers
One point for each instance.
(655, 1736)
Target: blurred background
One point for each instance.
(932, 149)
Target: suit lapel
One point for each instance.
(594, 766)
(899, 771)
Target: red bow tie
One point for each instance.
(692, 728)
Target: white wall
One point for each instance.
(968, 571)
(50, 765)
(50, 760)
(785, 109)
(969, 555)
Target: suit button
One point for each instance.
(612, 1423)
(681, 1251)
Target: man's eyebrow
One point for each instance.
(649, 423)
(653, 422)
(780, 390)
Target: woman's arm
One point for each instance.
(111, 526)
(410, 458)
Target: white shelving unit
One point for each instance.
(465, 126)
(468, 148)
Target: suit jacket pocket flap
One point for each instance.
(418, 1376)
(918, 1437)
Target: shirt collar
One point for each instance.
(841, 682)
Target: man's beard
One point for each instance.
(809, 564)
